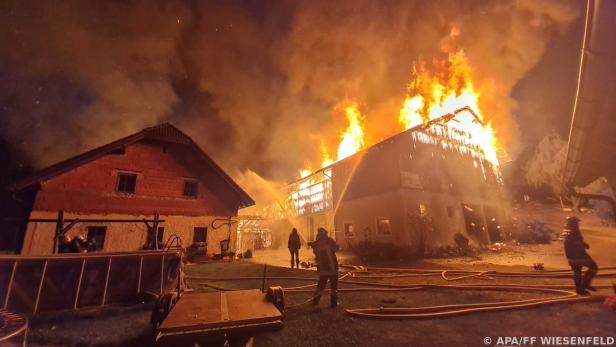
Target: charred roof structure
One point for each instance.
(415, 190)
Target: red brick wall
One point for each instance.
(160, 183)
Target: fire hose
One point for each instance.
(439, 310)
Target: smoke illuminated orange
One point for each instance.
(433, 95)
(442, 90)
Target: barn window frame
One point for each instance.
(345, 231)
(379, 231)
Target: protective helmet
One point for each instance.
(572, 222)
(321, 232)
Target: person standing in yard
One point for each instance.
(325, 249)
(575, 250)
(294, 246)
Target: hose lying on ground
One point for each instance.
(440, 310)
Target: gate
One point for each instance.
(32, 284)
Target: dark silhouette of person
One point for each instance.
(294, 245)
(325, 249)
(575, 250)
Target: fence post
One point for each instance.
(107, 281)
(140, 270)
(162, 273)
(59, 227)
(40, 288)
(83, 265)
(8, 289)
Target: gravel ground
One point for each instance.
(323, 326)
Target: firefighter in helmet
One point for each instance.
(575, 250)
(325, 249)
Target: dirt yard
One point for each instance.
(323, 326)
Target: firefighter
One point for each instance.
(575, 250)
(325, 249)
(294, 246)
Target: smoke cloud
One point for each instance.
(253, 82)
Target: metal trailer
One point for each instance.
(218, 317)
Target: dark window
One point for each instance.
(191, 189)
(450, 211)
(127, 183)
(349, 230)
(383, 226)
(200, 235)
(97, 236)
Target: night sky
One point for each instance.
(255, 82)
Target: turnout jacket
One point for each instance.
(294, 241)
(575, 247)
(325, 249)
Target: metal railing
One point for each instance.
(32, 284)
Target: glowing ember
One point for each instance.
(432, 95)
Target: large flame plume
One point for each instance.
(445, 89)
(351, 139)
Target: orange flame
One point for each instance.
(352, 139)
(432, 95)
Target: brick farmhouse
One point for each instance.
(157, 170)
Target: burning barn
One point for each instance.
(414, 190)
(134, 193)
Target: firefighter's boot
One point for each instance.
(334, 301)
(579, 285)
(588, 276)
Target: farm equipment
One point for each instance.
(224, 317)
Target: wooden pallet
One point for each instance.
(206, 314)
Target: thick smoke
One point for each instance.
(254, 82)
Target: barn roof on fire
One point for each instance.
(164, 132)
(401, 136)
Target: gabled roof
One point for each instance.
(444, 119)
(164, 132)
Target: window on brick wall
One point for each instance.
(200, 235)
(191, 189)
(127, 183)
(97, 236)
